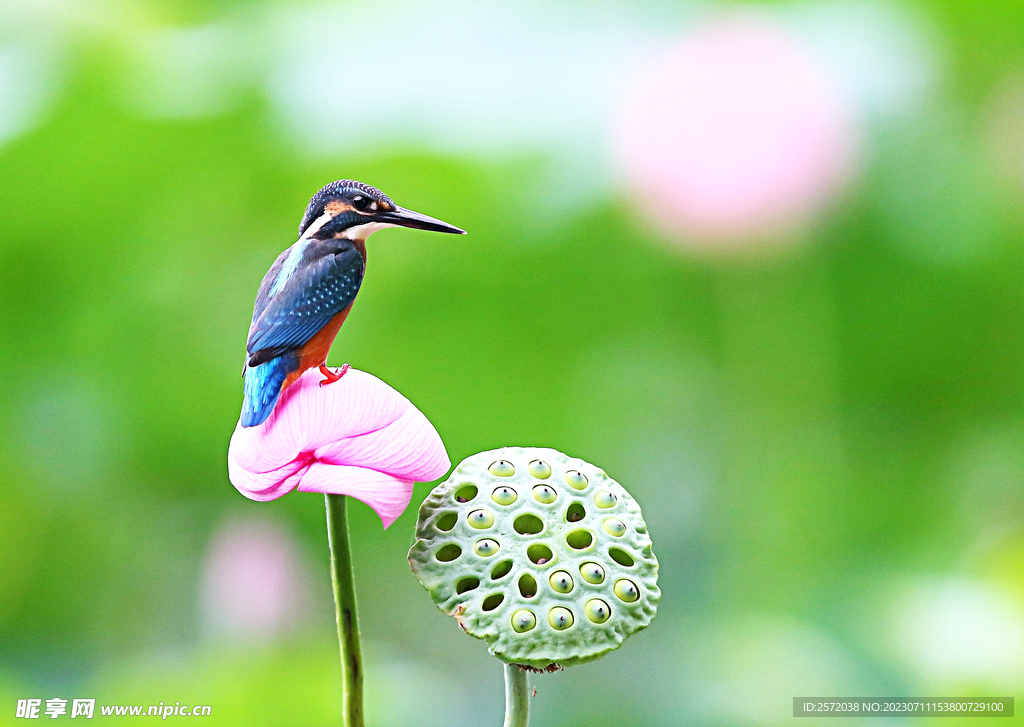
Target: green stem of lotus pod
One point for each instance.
(517, 696)
(345, 607)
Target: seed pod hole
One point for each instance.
(579, 539)
(575, 513)
(539, 469)
(492, 601)
(465, 493)
(447, 521)
(539, 553)
(480, 519)
(621, 557)
(597, 610)
(560, 618)
(502, 468)
(486, 547)
(605, 499)
(501, 570)
(504, 495)
(448, 553)
(561, 582)
(523, 620)
(544, 494)
(576, 479)
(614, 527)
(626, 590)
(592, 573)
(527, 585)
(466, 584)
(528, 525)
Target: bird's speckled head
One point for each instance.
(354, 210)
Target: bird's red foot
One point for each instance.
(332, 376)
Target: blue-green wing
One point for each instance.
(313, 294)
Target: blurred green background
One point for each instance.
(824, 426)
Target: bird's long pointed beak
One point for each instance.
(407, 218)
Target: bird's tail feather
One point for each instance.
(263, 388)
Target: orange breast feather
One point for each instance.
(315, 351)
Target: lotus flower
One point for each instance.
(356, 437)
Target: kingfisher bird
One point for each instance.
(309, 290)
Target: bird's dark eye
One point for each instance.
(363, 203)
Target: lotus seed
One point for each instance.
(561, 582)
(543, 493)
(575, 513)
(539, 469)
(504, 496)
(613, 526)
(592, 573)
(597, 610)
(539, 553)
(626, 590)
(527, 585)
(576, 479)
(579, 539)
(604, 499)
(528, 524)
(502, 468)
(523, 620)
(480, 519)
(560, 618)
(486, 547)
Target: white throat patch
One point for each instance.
(317, 224)
(359, 233)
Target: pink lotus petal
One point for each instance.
(387, 495)
(356, 437)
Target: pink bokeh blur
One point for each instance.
(734, 136)
(255, 582)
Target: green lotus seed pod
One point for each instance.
(576, 479)
(545, 494)
(561, 582)
(502, 468)
(626, 590)
(613, 526)
(504, 495)
(503, 569)
(592, 573)
(597, 610)
(523, 621)
(486, 547)
(480, 519)
(539, 469)
(560, 618)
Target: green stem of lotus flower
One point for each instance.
(517, 697)
(345, 607)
